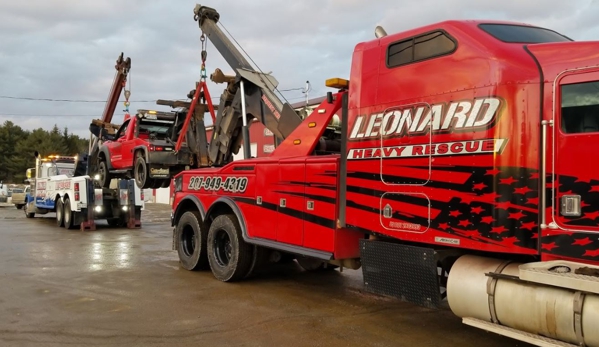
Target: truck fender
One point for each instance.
(236, 210)
(183, 205)
(104, 150)
(145, 150)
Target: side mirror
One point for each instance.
(36, 154)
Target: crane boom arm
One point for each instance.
(261, 102)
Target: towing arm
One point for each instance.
(104, 124)
(258, 90)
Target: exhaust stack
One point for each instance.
(379, 32)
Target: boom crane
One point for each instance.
(249, 91)
(118, 84)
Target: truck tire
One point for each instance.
(191, 241)
(69, 215)
(229, 256)
(105, 176)
(59, 213)
(19, 206)
(140, 172)
(28, 214)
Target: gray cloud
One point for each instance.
(65, 49)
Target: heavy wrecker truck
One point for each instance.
(461, 174)
(59, 184)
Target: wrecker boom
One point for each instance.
(253, 88)
(122, 70)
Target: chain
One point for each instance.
(127, 95)
(204, 55)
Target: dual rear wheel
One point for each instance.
(65, 217)
(220, 248)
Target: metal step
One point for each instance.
(551, 273)
(533, 339)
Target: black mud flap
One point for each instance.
(405, 272)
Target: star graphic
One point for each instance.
(584, 204)
(508, 180)
(477, 209)
(493, 172)
(528, 226)
(516, 215)
(455, 213)
(443, 226)
(549, 246)
(582, 242)
(498, 230)
(488, 219)
(594, 188)
(522, 190)
(479, 186)
(464, 222)
(591, 215)
(535, 236)
(591, 253)
(533, 176)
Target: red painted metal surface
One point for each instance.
(445, 152)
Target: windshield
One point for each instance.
(580, 107)
(522, 34)
(17, 190)
(154, 127)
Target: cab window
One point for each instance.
(419, 48)
(580, 107)
(123, 130)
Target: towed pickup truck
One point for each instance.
(19, 196)
(142, 148)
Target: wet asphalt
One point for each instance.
(121, 287)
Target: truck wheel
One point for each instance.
(140, 172)
(191, 241)
(229, 256)
(59, 213)
(69, 215)
(19, 206)
(105, 176)
(28, 214)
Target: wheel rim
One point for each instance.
(102, 173)
(188, 240)
(141, 173)
(59, 213)
(223, 248)
(67, 214)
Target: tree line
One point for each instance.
(17, 148)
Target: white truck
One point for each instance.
(60, 184)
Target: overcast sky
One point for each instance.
(66, 49)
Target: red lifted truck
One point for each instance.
(143, 148)
(462, 170)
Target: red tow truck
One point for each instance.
(461, 173)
